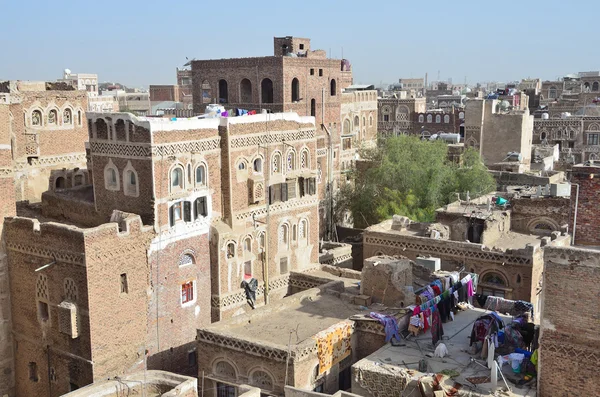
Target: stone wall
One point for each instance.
(386, 279)
(539, 215)
(505, 178)
(515, 266)
(569, 337)
(586, 227)
(7, 208)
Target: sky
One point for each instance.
(138, 43)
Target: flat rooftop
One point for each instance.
(308, 316)
(456, 338)
(508, 240)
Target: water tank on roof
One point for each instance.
(545, 116)
(450, 138)
(564, 115)
(514, 156)
(504, 105)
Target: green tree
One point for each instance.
(410, 177)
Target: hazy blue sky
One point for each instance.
(142, 42)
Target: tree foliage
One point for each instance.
(410, 177)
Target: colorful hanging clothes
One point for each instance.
(436, 327)
(390, 324)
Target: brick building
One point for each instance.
(403, 115)
(133, 234)
(495, 132)
(180, 93)
(479, 239)
(585, 193)
(295, 79)
(569, 329)
(578, 136)
(46, 129)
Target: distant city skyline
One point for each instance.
(140, 45)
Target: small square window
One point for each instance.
(43, 311)
(192, 360)
(312, 72)
(187, 292)
(33, 372)
(301, 46)
(124, 286)
(321, 72)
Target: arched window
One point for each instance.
(67, 119)
(446, 119)
(305, 159)
(313, 107)
(346, 129)
(429, 118)
(595, 86)
(421, 118)
(332, 88)
(303, 230)
(494, 278)
(60, 183)
(186, 259)
(266, 89)
(52, 117)
(461, 115)
(586, 87)
(177, 178)
(261, 379)
(130, 181)
(276, 163)
(284, 237)
(242, 165)
(245, 91)
(552, 92)
(257, 164)
(230, 250)
(79, 117)
(223, 92)
(247, 244)
(438, 118)
(543, 135)
(364, 121)
(295, 90)
(201, 175)
(370, 121)
(261, 241)
(291, 160)
(224, 370)
(111, 176)
(36, 118)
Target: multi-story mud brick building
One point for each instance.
(295, 79)
(170, 218)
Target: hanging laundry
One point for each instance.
(436, 327)
(250, 288)
(390, 324)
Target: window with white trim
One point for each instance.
(188, 292)
(111, 176)
(177, 178)
(201, 175)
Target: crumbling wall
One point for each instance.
(386, 280)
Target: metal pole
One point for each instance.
(575, 214)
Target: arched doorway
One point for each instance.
(295, 90)
(61, 183)
(223, 92)
(266, 88)
(245, 91)
(475, 231)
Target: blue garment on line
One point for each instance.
(390, 324)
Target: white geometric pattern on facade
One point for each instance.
(204, 145)
(276, 208)
(120, 149)
(275, 137)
